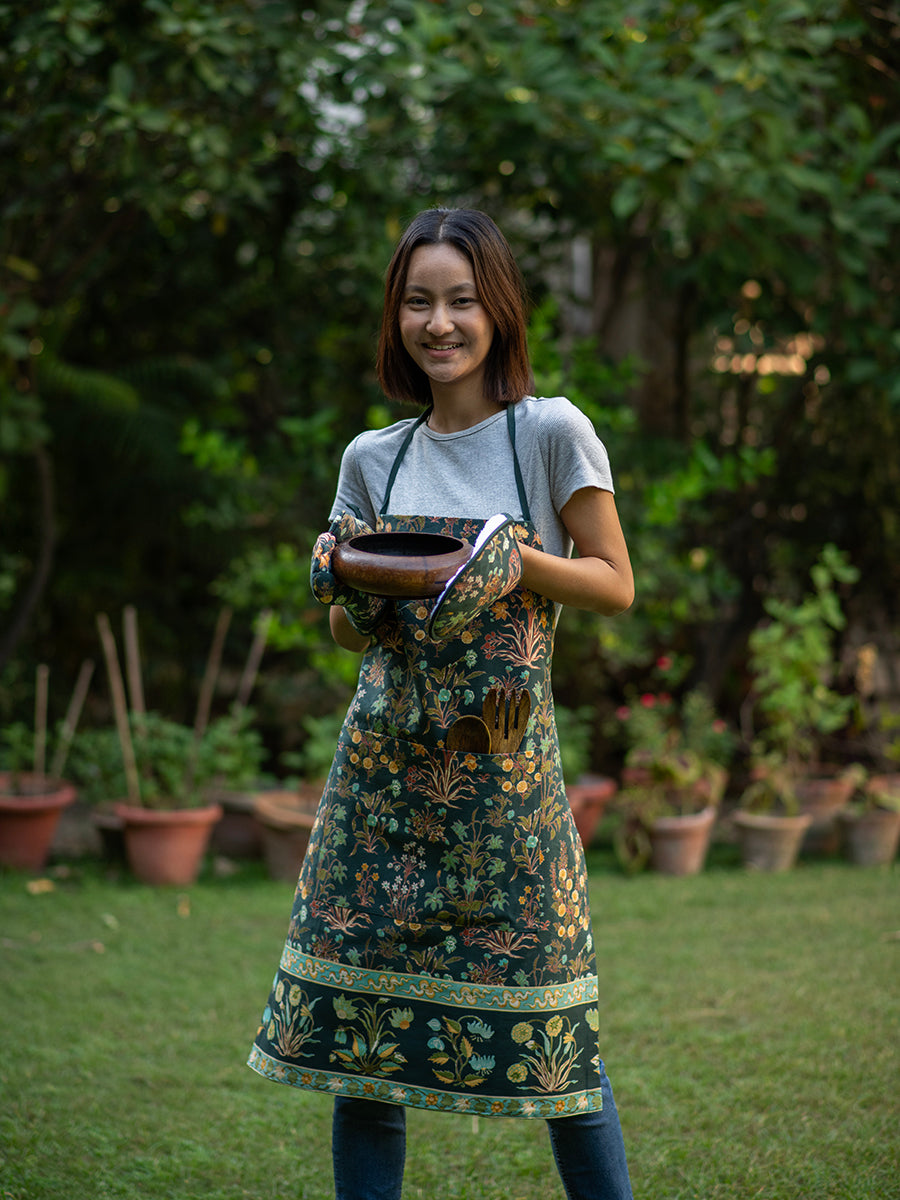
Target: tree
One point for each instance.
(199, 198)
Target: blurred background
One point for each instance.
(197, 203)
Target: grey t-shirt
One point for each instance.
(471, 474)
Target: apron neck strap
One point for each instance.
(399, 459)
(520, 483)
(510, 425)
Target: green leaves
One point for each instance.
(792, 659)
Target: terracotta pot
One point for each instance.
(28, 819)
(823, 798)
(111, 831)
(679, 844)
(770, 843)
(238, 834)
(870, 838)
(286, 819)
(166, 846)
(588, 799)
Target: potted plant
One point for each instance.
(769, 823)
(587, 794)
(794, 706)
(168, 768)
(167, 820)
(32, 798)
(870, 824)
(238, 750)
(676, 771)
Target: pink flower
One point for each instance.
(648, 700)
(623, 712)
(664, 663)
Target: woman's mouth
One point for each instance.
(437, 347)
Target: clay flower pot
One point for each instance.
(823, 798)
(769, 842)
(286, 819)
(28, 819)
(870, 838)
(588, 799)
(238, 834)
(166, 846)
(679, 844)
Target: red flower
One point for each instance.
(664, 663)
(648, 700)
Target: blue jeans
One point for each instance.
(369, 1149)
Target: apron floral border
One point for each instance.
(427, 1098)
(326, 973)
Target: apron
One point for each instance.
(439, 953)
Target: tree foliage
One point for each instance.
(198, 200)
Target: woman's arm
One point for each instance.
(600, 578)
(343, 632)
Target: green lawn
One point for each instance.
(751, 1032)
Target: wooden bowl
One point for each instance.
(412, 565)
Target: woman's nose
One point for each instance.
(439, 320)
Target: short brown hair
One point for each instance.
(508, 374)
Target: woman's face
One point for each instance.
(443, 324)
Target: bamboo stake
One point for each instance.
(120, 707)
(133, 659)
(70, 721)
(254, 658)
(208, 686)
(40, 720)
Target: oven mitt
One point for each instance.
(493, 570)
(364, 612)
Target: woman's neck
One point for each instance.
(452, 415)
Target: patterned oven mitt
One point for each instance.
(364, 612)
(493, 570)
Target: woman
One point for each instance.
(439, 952)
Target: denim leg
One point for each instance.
(590, 1152)
(368, 1147)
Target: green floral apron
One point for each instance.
(439, 953)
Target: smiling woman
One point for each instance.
(431, 856)
(448, 333)
(496, 286)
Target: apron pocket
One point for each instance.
(420, 836)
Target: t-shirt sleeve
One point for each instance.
(352, 493)
(574, 456)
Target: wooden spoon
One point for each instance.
(469, 733)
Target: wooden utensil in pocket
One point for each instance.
(506, 716)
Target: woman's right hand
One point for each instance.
(363, 612)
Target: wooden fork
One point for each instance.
(506, 716)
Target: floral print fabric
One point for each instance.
(493, 570)
(439, 952)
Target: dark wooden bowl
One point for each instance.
(412, 565)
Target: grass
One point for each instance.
(750, 1027)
